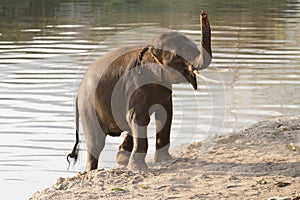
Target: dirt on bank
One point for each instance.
(260, 162)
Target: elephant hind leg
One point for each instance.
(92, 162)
(94, 135)
(94, 148)
(93, 152)
(125, 150)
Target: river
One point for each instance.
(46, 46)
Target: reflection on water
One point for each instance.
(45, 47)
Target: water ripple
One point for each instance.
(40, 74)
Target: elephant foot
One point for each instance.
(162, 155)
(137, 162)
(123, 157)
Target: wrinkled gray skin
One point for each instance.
(123, 88)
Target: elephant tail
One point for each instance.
(74, 153)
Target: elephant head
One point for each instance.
(180, 53)
(170, 68)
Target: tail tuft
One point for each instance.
(75, 151)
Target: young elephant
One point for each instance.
(123, 88)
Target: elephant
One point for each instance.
(122, 88)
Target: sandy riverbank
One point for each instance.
(260, 162)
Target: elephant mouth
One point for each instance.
(193, 73)
(194, 82)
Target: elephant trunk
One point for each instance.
(205, 41)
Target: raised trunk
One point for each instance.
(205, 41)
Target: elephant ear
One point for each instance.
(164, 58)
(147, 67)
(154, 55)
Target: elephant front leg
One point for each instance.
(163, 120)
(140, 147)
(125, 150)
(140, 142)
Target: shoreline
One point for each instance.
(259, 162)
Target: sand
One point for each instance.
(260, 162)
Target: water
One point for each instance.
(45, 47)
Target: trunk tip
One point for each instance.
(203, 13)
